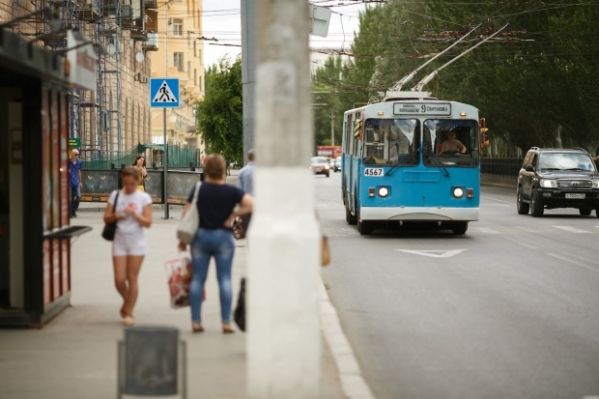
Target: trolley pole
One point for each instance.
(165, 167)
(283, 341)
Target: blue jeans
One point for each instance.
(75, 198)
(219, 244)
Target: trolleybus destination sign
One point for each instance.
(422, 109)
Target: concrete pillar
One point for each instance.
(248, 71)
(284, 240)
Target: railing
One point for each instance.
(504, 167)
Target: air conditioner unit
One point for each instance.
(126, 12)
(170, 21)
(143, 79)
(137, 77)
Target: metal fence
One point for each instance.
(504, 167)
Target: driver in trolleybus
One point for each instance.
(452, 144)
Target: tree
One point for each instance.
(220, 113)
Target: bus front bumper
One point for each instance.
(413, 213)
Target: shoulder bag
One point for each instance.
(190, 223)
(110, 228)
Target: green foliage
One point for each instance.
(220, 113)
(536, 86)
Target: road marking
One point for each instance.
(498, 200)
(581, 258)
(487, 231)
(352, 382)
(433, 253)
(574, 262)
(571, 229)
(518, 242)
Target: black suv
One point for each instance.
(558, 178)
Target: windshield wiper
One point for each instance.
(550, 169)
(434, 156)
(578, 169)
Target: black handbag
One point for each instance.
(239, 314)
(110, 228)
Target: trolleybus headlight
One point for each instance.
(595, 183)
(548, 183)
(383, 192)
(458, 192)
(469, 193)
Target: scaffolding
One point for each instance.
(95, 117)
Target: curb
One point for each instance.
(498, 181)
(353, 384)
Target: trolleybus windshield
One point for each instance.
(391, 142)
(451, 142)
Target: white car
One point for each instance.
(337, 164)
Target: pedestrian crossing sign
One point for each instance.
(164, 93)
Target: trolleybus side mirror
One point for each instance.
(529, 168)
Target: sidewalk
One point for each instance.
(75, 356)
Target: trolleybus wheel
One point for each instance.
(460, 228)
(536, 206)
(349, 218)
(522, 206)
(365, 228)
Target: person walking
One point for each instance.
(216, 206)
(140, 165)
(245, 182)
(76, 182)
(132, 210)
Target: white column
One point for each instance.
(284, 240)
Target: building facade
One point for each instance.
(115, 116)
(180, 54)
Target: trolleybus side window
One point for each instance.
(391, 142)
(450, 142)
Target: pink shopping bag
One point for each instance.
(178, 272)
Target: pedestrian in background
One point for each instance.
(140, 165)
(216, 203)
(132, 210)
(245, 182)
(76, 182)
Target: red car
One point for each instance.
(320, 166)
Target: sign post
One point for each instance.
(164, 93)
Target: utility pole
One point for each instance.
(332, 129)
(284, 339)
(248, 74)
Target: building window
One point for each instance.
(201, 84)
(189, 69)
(177, 27)
(195, 48)
(195, 77)
(178, 61)
(201, 60)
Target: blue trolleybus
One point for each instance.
(411, 159)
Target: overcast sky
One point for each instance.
(222, 20)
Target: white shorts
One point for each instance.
(128, 245)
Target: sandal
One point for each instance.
(197, 328)
(227, 329)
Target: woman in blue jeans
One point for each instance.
(214, 239)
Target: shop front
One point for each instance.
(35, 230)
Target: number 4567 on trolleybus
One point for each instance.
(411, 158)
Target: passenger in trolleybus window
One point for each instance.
(391, 142)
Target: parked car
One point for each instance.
(320, 166)
(337, 164)
(558, 178)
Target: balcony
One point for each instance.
(152, 43)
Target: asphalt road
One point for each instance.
(510, 310)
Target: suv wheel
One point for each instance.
(586, 211)
(460, 228)
(536, 204)
(522, 206)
